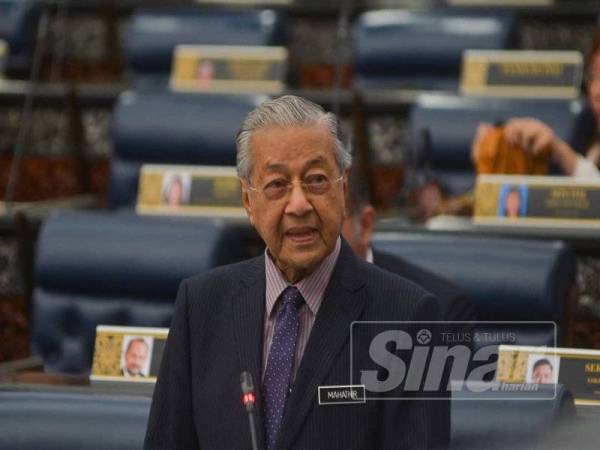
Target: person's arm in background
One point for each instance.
(534, 136)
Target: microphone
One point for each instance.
(249, 402)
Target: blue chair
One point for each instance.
(506, 279)
(18, 27)
(172, 128)
(509, 420)
(423, 50)
(450, 123)
(37, 420)
(152, 35)
(117, 269)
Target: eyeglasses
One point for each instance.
(317, 184)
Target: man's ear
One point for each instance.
(345, 182)
(368, 216)
(246, 199)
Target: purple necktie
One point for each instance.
(280, 362)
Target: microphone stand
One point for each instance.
(249, 401)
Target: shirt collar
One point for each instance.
(369, 257)
(312, 287)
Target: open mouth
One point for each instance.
(301, 235)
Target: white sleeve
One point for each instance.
(585, 168)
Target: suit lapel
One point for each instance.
(342, 304)
(248, 324)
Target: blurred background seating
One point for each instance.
(171, 128)
(18, 27)
(153, 34)
(97, 268)
(442, 128)
(506, 279)
(423, 50)
(68, 420)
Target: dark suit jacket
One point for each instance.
(217, 332)
(453, 304)
(453, 307)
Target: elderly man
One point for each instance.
(285, 317)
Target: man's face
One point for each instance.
(175, 194)
(301, 228)
(513, 204)
(136, 356)
(542, 374)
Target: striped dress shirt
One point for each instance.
(312, 289)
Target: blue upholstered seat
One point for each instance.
(18, 24)
(152, 35)
(171, 128)
(509, 420)
(506, 279)
(117, 269)
(452, 121)
(398, 48)
(37, 420)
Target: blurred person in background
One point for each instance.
(534, 136)
(358, 228)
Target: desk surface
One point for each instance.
(55, 382)
(585, 241)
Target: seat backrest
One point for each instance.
(37, 420)
(172, 128)
(18, 22)
(451, 123)
(116, 269)
(152, 34)
(398, 48)
(509, 419)
(506, 279)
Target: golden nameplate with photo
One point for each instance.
(577, 369)
(521, 73)
(538, 201)
(127, 354)
(212, 191)
(229, 69)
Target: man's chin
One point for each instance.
(302, 261)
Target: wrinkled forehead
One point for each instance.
(277, 147)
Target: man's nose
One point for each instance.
(298, 203)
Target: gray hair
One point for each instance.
(287, 111)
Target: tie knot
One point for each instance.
(291, 296)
